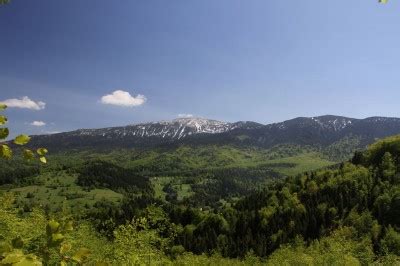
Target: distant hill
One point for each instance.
(336, 136)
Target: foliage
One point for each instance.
(376, 151)
(390, 243)
(340, 248)
(5, 150)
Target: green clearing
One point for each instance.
(303, 163)
(158, 185)
(59, 190)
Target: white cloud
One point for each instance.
(123, 98)
(38, 123)
(24, 102)
(185, 115)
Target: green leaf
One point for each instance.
(53, 226)
(3, 120)
(69, 226)
(29, 260)
(383, 1)
(5, 151)
(65, 247)
(57, 237)
(2, 106)
(28, 155)
(4, 133)
(43, 159)
(81, 255)
(41, 151)
(22, 139)
(12, 258)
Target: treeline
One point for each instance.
(102, 174)
(17, 172)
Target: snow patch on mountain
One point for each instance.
(175, 129)
(332, 122)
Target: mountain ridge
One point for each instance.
(244, 122)
(321, 131)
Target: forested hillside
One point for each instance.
(345, 214)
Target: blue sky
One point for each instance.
(258, 60)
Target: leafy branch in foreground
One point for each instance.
(55, 239)
(5, 150)
(12, 253)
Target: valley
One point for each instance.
(196, 196)
(185, 168)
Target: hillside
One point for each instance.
(202, 176)
(347, 214)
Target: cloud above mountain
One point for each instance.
(25, 102)
(38, 123)
(123, 98)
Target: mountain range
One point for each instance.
(323, 131)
